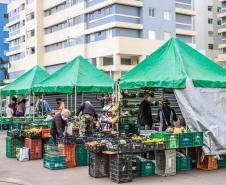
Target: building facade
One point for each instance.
(114, 35)
(222, 46)
(3, 33)
(208, 38)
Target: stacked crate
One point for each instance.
(81, 155)
(121, 168)
(98, 165)
(35, 148)
(165, 162)
(54, 162)
(11, 145)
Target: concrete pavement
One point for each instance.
(13, 172)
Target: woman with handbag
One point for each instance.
(166, 115)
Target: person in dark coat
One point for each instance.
(166, 115)
(145, 114)
(59, 124)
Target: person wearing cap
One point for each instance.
(145, 113)
(166, 115)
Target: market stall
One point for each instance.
(77, 76)
(172, 66)
(23, 86)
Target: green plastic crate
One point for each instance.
(171, 141)
(147, 168)
(183, 163)
(11, 145)
(54, 162)
(158, 135)
(185, 140)
(81, 155)
(222, 161)
(197, 139)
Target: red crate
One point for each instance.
(35, 148)
(46, 133)
(69, 152)
(208, 162)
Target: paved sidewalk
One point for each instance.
(13, 172)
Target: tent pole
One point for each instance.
(82, 97)
(67, 101)
(33, 106)
(75, 100)
(71, 101)
(29, 100)
(42, 104)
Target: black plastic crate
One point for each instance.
(98, 165)
(70, 140)
(137, 147)
(149, 146)
(135, 167)
(121, 168)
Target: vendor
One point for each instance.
(14, 105)
(88, 118)
(59, 123)
(106, 117)
(20, 111)
(42, 104)
(166, 115)
(145, 114)
(60, 104)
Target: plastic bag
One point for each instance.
(70, 129)
(22, 154)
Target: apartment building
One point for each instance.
(222, 46)
(113, 34)
(3, 33)
(207, 24)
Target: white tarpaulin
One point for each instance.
(204, 109)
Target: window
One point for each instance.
(109, 33)
(152, 12)
(92, 37)
(210, 46)
(218, 9)
(30, 16)
(167, 15)
(210, 21)
(151, 35)
(218, 22)
(126, 61)
(167, 35)
(210, 8)
(210, 33)
(31, 51)
(30, 33)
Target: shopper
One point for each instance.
(42, 106)
(60, 104)
(88, 118)
(59, 123)
(106, 117)
(145, 113)
(166, 115)
(9, 111)
(14, 105)
(20, 111)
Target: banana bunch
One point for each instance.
(136, 138)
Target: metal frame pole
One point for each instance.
(71, 101)
(42, 105)
(82, 97)
(75, 101)
(33, 106)
(67, 101)
(29, 100)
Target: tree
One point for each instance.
(4, 67)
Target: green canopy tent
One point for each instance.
(23, 84)
(171, 65)
(77, 76)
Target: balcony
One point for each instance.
(14, 33)
(184, 6)
(16, 17)
(14, 48)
